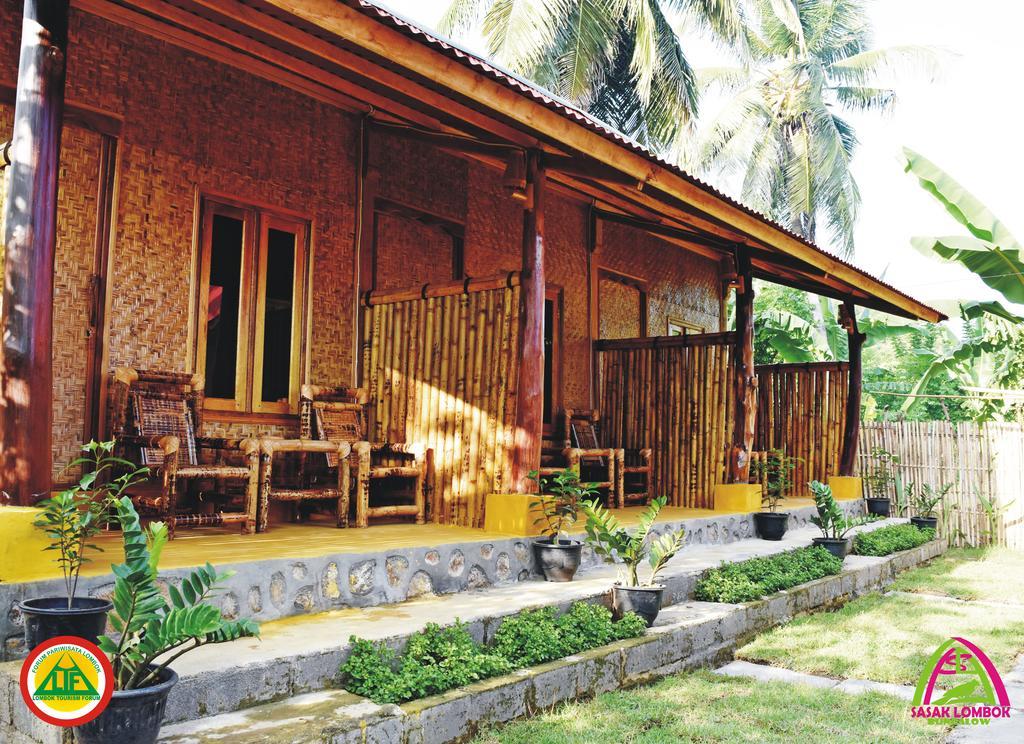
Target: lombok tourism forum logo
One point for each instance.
(67, 681)
(960, 685)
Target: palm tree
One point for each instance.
(620, 60)
(809, 62)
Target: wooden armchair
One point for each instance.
(339, 414)
(595, 464)
(632, 467)
(156, 418)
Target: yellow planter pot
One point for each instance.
(512, 514)
(846, 487)
(738, 497)
(21, 545)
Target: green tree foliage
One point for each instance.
(621, 60)
(783, 131)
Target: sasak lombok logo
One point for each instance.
(960, 685)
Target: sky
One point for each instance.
(966, 119)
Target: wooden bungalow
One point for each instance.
(278, 193)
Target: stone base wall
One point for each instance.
(281, 587)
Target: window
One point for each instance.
(679, 327)
(252, 298)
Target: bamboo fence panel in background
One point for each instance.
(673, 395)
(801, 410)
(441, 372)
(980, 460)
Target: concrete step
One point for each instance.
(686, 635)
(302, 654)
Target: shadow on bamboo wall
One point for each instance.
(439, 364)
(801, 410)
(673, 395)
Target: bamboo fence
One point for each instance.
(673, 395)
(801, 410)
(440, 367)
(982, 461)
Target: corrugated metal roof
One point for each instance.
(566, 109)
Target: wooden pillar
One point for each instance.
(851, 429)
(745, 378)
(30, 241)
(530, 400)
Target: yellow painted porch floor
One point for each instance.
(221, 547)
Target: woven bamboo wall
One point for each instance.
(441, 371)
(980, 460)
(801, 410)
(675, 397)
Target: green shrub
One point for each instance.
(435, 660)
(439, 659)
(758, 577)
(892, 539)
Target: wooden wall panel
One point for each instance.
(676, 399)
(801, 410)
(441, 372)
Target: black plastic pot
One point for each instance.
(133, 716)
(558, 561)
(49, 617)
(879, 505)
(645, 601)
(837, 546)
(931, 523)
(771, 525)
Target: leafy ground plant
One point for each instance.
(443, 658)
(892, 539)
(614, 542)
(152, 632)
(758, 577)
(887, 638)
(708, 708)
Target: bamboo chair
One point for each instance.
(155, 418)
(582, 453)
(632, 468)
(303, 491)
(338, 414)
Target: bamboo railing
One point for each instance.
(801, 410)
(982, 461)
(440, 365)
(673, 395)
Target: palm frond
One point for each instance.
(461, 15)
(864, 67)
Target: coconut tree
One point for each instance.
(782, 131)
(620, 60)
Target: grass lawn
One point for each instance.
(702, 707)
(994, 575)
(887, 639)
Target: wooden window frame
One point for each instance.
(686, 326)
(455, 231)
(553, 293)
(630, 281)
(257, 220)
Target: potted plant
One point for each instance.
(611, 540)
(880, 480)
(834, 525)
(152, 632)
(71, 519)
(775, 473)
(925, 500)
(557, 555)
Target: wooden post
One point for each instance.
(30, 242)
(744, 376)
(851, 430)
(530, 400)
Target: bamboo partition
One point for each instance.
(673, 395)
(980, 460)
(801, 410)
(440, 365)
